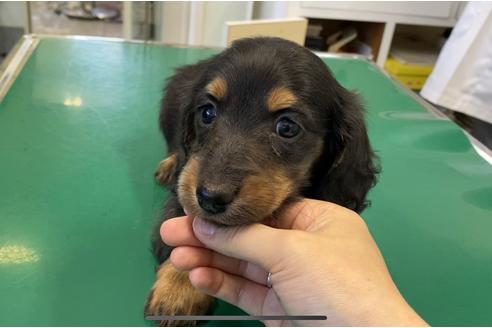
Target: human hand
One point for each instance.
(322, 258)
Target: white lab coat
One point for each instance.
(462, 77)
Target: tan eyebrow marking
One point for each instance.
(217, 88)
(280, 98)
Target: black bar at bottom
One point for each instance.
(235, 317)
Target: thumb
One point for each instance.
(256, 243)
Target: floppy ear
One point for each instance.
(176, 118)
(348, 167)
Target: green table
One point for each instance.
(79, 143)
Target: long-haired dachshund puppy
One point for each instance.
(248, 131)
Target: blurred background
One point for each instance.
(390, 33)
(403, 38)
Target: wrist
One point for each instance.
(393, 311)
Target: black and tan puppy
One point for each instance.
(248, 131)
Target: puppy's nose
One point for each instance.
(213, 202)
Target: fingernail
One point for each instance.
(203, 227)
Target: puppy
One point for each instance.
(248, 131)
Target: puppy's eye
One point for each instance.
(286, 128)
(208, 113)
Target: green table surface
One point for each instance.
(79, 143)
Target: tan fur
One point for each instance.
(217, 88)
(265, 192)
(187, 184)
(260, 195)
(165, 170)
(173, 294)
(280, 98)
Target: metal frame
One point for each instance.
(14, 63)
(24, 48)
(479, 147)
(110, 39)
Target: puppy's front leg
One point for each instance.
(173, 294)
(165, 170)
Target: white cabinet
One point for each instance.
(434, 9)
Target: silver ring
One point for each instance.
(269, 280)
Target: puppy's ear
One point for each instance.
(176, 118)
(348, 167)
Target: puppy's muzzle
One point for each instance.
(213, 202)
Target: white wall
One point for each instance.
(13, 14)
(216, 14)
(172, 20)
(270, 9)
(198, 23)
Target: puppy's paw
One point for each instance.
(173, 294)
(165, 170)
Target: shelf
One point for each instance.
(369, 33)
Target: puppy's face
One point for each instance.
(259, 122)
(254, 148)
